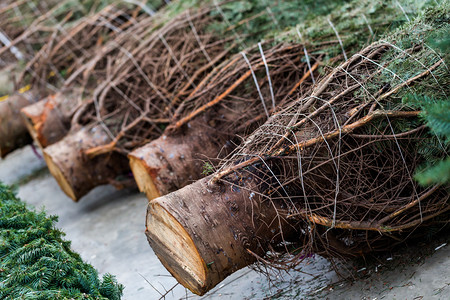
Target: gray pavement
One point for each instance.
(107, 229)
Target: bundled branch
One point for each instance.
(15, 18)
(118, 109)
(75, 60)
(30, 24)
(147, 83)
(46, 30)
(330, 173)
(238, 96)
(208, 132)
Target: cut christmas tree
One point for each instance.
(331, 173)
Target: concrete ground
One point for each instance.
(107, 229)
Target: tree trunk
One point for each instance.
(48, 121)
(13, 133)
(202, 232)
(75, 173)
(173, 161)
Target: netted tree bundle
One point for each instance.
(238, 95)
(69, 48)
(15, 18)
(148, 83)
(73, 63)
(39, 21)
(133, 106)
(330, 173)
(213, 129)
(341, 161)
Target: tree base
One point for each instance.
(75, 173)
(202, 232)
(173, 161)
(48, 120)
(13, 132)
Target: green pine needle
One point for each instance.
(437, 174)
(36, 263)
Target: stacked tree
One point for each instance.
(76, 60)
(330, 173)
(164, 81)
(63, 19)
(210, 117)
(18, 22)
(145, 86)
(15, 19)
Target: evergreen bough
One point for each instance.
(35, 261)
(436, 115)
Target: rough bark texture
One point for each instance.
(48, 120)
(13, 133)
(202, 233)
(173, 161)
(75, 173)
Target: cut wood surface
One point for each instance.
(202, 234)
(48, 120)
(74, 172)
(13, 132)
(171, 162)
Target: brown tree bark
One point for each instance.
(204, 232)
(13, 133)
(75, 173)
(173, 161)
(48, 120)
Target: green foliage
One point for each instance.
(436, 114)
(435, 108)
(438, 118)
(428, 35)
(36, 263)
(440, 40)
(428, 29)
(437, 174)
(272, 17)
(207, 169)
(431, 96)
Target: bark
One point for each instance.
(173, 161)
(202, 232)
(75, 173)
(48, 120)
(13, 133)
